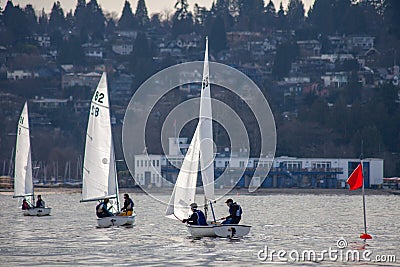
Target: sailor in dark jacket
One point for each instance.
(102, 210)
(197, 217)
(235, 213)
(127, 209)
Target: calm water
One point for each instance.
(281, 222)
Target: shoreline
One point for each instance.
(234, 191)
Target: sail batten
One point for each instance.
(99, 172)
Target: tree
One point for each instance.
(251, 14)
(286, 53)
(141, 60)
(217, 34)
(31, 18)
(182, 21)
(71, 52)
(96, 20)
(391, 13)
(127, 20)
(16, 24)
(270, 14)
(281, 16)
(43, 22)
(57, 19)
(141, 14)
(80, 14)
(295, 13)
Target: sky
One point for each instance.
(153, 6)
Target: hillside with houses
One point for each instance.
(330, 74)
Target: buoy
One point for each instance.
(365, 236)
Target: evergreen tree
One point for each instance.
(217, 34)
(96, 20)
(43, 22)
(141, 15)
(31, 18)
(71, 52)
(141, 60)
(270, 14)
(127, 20)
(57, 19)
(295, 13)
(286, 53)
(281, 17)
(251, 14)
(16, 24)
(391, 13)
(80, 14)
(182, 21)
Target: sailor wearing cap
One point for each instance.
(197, 217)
(235, 212)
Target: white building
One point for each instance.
(155, 170)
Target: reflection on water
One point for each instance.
(288, 222)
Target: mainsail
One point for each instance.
(23, 185)
(200, 151)
(99, 170)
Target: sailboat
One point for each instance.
(99, 169)
(23, 185)
(200, 151)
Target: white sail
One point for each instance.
(200, 150)
(99, 171)
(23, 185)
(206, 133)
(185, 186)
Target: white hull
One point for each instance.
(116, 221)
(201, 231)
(37, 212)
(231, 230)
(227, 230)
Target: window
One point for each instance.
(158, 163)
(145, 163)
(137, 163)
(141, 163)
(241, 163)
(154, 163)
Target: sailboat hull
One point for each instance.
(231, 230)
(201, 231)
(226, 230)
(106, 222)
(37, 212)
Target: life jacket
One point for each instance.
(201, 219)
(131, 204)
(98, 208)
(238, 212)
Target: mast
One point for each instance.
(365, 235)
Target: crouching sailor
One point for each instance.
(102, 210)
(235, 213)
(197, 217)
(127, 210)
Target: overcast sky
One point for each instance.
(153, 6)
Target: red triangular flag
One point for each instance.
(356, 178)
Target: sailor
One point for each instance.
(235, 213)
(127, 209)
(102, 210)
(25, 205)
(40, 203)
(197, 217)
